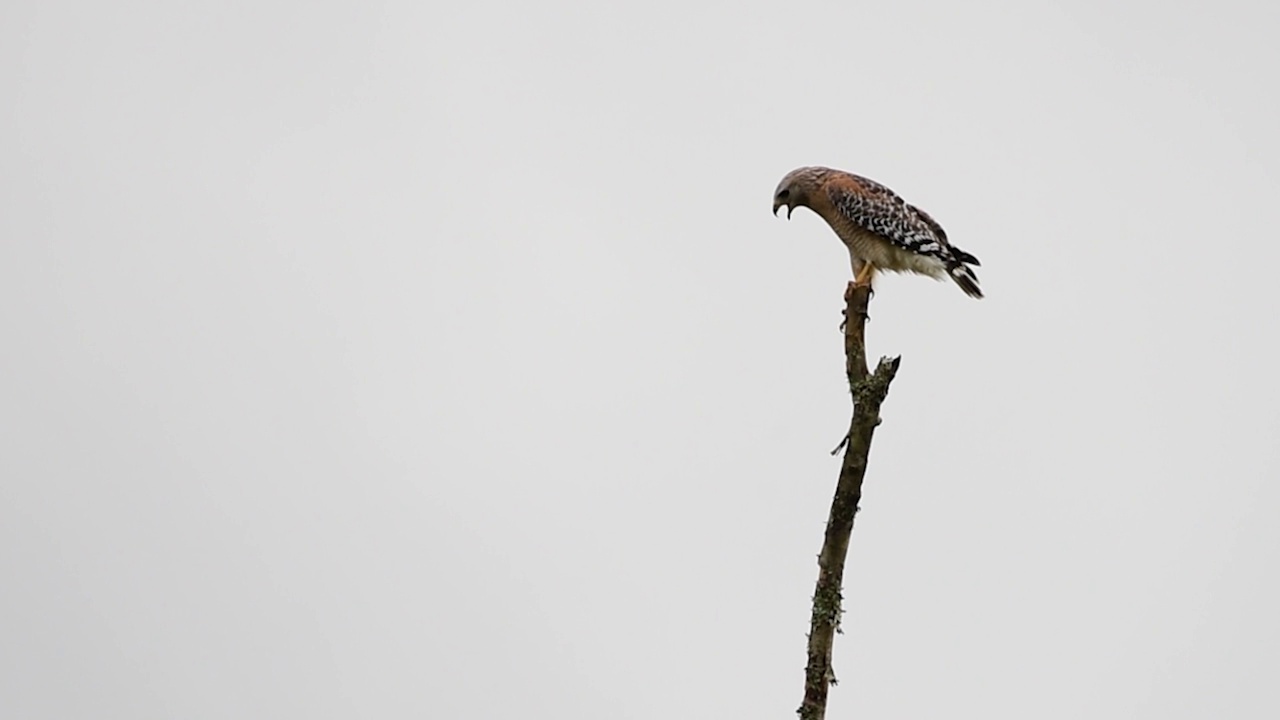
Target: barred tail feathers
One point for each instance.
(964, 277)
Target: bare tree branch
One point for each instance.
(868, 390)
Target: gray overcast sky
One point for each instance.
(443, 360)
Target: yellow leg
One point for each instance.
(865, 274)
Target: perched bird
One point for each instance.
(881, 230)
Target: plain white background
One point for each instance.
(444, 360)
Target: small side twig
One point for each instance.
(843, 441)
(868, 390)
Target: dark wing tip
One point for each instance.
(965, 257)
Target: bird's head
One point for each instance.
(794, 190)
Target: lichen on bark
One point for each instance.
(868, 391)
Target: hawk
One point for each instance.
(881, 230)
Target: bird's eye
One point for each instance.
(783, 194)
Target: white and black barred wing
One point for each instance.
(923, 243)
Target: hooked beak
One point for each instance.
(777, 205)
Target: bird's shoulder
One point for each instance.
(874, 207)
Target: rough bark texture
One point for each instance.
(868, 390)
